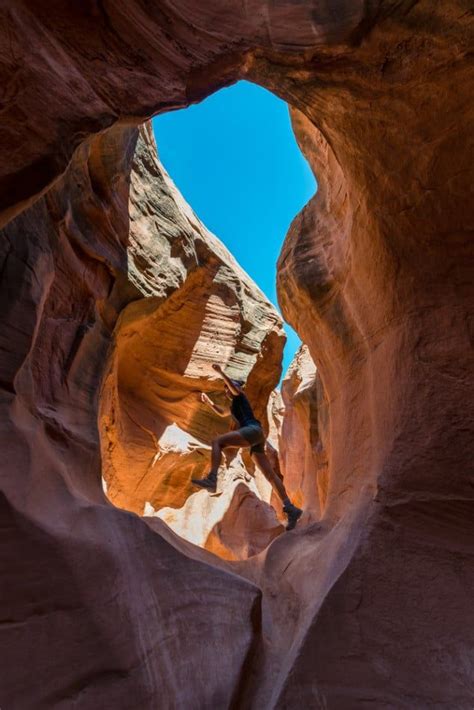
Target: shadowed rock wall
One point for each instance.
(372, 604)
(92, 599)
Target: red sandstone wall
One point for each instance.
(372, 604)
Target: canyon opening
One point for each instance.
(113, 291)
(198, 307)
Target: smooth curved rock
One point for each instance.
(376, 277)
(199, 308)
(97, 609)
(83, 68)
(302, 436)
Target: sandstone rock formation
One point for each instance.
(371, 605)
(198, 308)
(81, 623)
(302, 435)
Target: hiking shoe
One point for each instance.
(293, 514)
(209, 483)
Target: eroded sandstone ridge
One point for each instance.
(197, 307)
(302, 434)
(369, 606)
(71, 592)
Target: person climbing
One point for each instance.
(250, 433)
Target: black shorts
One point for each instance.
(253, 433)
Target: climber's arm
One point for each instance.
(221, 411)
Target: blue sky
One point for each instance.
(235, 159)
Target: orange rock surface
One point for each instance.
(369, 606)
(198, 308)
(301, 436)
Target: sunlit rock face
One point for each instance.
(199, 308)
(371, 605)
(302, 433)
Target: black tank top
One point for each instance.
(242, 411)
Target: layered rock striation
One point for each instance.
(109, 609)
(197, 308)
(70, 557)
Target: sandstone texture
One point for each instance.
(198, 308)
(370, 605)
(302, 433)
(97, 609)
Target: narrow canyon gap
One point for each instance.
(194, 307)
(235, 159)
(155, 433)
(98, 608)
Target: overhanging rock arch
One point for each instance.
(375, 275)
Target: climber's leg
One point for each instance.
(291, 511)
(232, 440)
(261, 460)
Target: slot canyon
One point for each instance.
(122, 586)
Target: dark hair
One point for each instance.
(237, 383)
